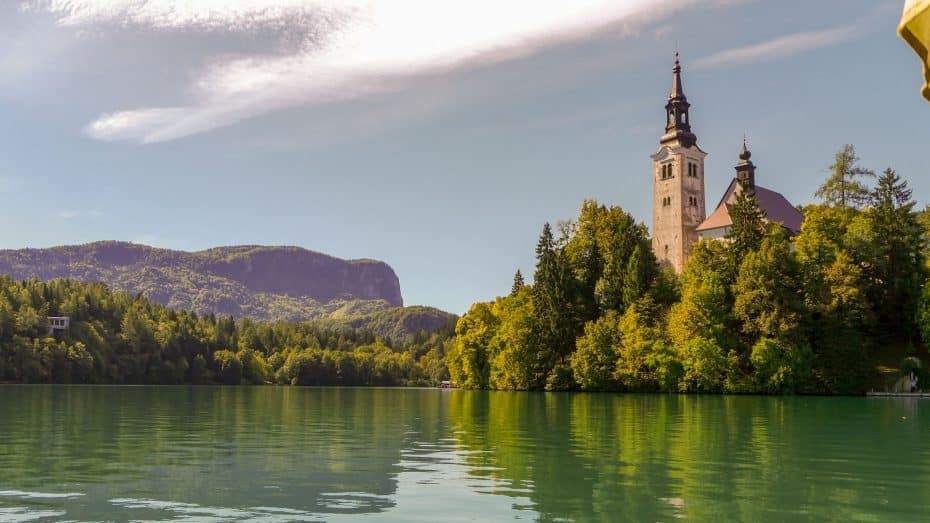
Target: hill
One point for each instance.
(263, 283)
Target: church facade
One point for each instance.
(679, 216)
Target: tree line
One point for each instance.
(760, 312)
(116, 337)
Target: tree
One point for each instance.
(642, 270)
(599, 254)
(640, 337)
(768, 301)
(822, 237)
(747, 230)
(924, 218)
(840, 317)
(228, 367)
(704, 310)
(923, 314)
(513, 348)
(898, 265)
(469, 360)
(843, 188)
(553, 303)
(517, 283)
(595, 361)
(779, 366)
(704, 365)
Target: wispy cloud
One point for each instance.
(328, 50)
(801, 42)
(781, 47)
(70, 214)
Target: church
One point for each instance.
(679, 217)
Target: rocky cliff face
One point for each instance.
(270, 283)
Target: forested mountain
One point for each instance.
(117, 337)
(274, 284)
(263, 283)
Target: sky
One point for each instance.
(438, 136)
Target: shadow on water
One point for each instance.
(343, 454)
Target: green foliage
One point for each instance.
(265, 283)
(608, 271)
(897, 266)
(518, 283)
(469, 361)
(822, 238)
(640, 339)
(843, 189)
(923, 313)
(120, 338)
(514, 346)
(757, 312)
(595, 360)
(554, 305)
(779, 366)
(228, 367)
(704, 310)
(561, 379)
(768, 298)
(924, 218)
(402, 324)
(747, 230)
(704, 366)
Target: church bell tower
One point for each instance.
(678, 182)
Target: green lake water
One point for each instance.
(275, 454)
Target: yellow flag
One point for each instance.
(915, 30)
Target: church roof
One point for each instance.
(776, 207)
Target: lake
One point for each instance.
(275, 454)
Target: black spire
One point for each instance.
(677, 122)
(745, 170)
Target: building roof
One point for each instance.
(776, 207)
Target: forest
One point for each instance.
(120, 338)
(838, 309)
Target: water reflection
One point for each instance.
(292, 454)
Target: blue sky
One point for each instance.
(436, 136)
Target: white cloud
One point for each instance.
(778, 48)
(71, 214)
(797, 43)
(345, 48)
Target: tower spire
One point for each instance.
(677, 90)
(745, 169)
(677, 122)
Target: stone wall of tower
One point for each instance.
(678, 203)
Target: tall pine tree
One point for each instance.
(898, 268)
(747, 230)
(552, 301)
(517, 283)
(843, 189)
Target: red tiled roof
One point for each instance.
(776, 207)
